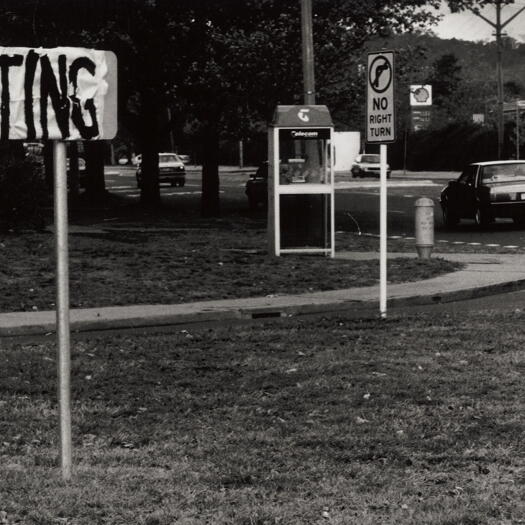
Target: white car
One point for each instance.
(171, 169)
(368, 165)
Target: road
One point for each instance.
(121, 180)
(357, 197)
(361, 200)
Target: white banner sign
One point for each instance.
(63, 93)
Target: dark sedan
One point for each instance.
(486, 191)
(257, 188)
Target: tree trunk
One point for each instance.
(210, 203)
(150, 190)
(73, 175)
(48, 165)
(95, 182)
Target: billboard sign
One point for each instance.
(62, 93)
(421, 95)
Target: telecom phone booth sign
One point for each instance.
(380, 115)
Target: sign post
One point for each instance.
(59, 94)
(62, 305)
(381, 129)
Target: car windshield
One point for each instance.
(370, 159)
(169, 158)
(504, 172)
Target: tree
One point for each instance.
(245, 59)
(222, 65)
(445, 78)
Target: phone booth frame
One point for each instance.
(308, 128)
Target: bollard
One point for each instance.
(424, 227)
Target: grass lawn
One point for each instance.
(409, 420)
(192, 262)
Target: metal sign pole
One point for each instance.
(381, 129)
(382, 231)
(517, 131)
(62, 306)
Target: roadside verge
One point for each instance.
(481, 275)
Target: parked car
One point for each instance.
(485, 191)
(171, 169)
(368, 165)
(184, 158)
(257, 188)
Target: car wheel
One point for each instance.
(519, 220)
(181, 183)
(449, 219)
(481, 217)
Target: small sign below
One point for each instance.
(380, 115)
(420, 118)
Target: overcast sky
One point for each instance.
(467, 26)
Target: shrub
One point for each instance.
(23, 194)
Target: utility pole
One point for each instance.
(498, 26)
(308, 52)
(499, 74)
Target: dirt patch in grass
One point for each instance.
(186, 264)
(408, 420)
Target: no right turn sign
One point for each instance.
(380, 116)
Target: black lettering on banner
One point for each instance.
(6, 62)
(31, 62)
(59, 98)
(86, 132)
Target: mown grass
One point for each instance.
(409, 420)
(186, 264)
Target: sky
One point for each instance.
(468, 26)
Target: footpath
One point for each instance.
(482, 274)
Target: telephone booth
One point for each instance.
(301, 181)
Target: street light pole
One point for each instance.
(308, 51)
